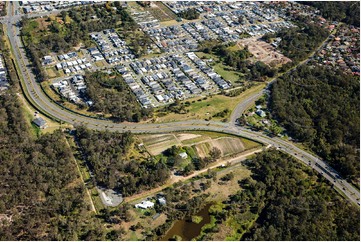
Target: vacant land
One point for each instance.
(205, 109)
(51, 72)
(226, 72)
(156, 144)
(202, 143)
(161, 12)
(263, 51)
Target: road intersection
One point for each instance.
(39, 99)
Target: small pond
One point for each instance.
(186, 228)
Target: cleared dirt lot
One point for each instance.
(227, 146)
(263, 51)
(156, 144)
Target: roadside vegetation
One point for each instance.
(283, 200)
(43, 197)
(320, 107)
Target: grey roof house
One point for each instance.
(41, 123)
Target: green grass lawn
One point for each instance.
(225, 71)
(217, 103)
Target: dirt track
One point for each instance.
(173, 179)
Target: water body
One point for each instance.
(186, 228)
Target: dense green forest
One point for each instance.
(42, 197)
(189, 14)
(109, 159)
(321, 108)
(299, 42)
(111, 95)
(284, 201)
(345, 11)
(71, 28)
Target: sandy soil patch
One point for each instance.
(156, 144)
(182, 137)
(263, 51)
(228, 145)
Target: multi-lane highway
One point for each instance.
(43, 104)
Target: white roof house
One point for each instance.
(144, 205)
(183, 155)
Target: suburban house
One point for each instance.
(144, 205)
(261, 113)
(162, 201)
(183, 155)
(41, 123)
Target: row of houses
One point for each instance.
(66, 91)
(46, 6)
(343, 51)
(74, 66)
(226, 21)
(220, 29)
(150, 65)
(141, 95)
(172, 39)
(154, 73)
(197, 31)
(111, 46)
(208, 71)
(4, 81)
(169, 78)
(73, 89)
(183, 78)
(145, 19)
(95, 54)
(68, 56)
(200, 6)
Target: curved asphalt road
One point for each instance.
(44, 104)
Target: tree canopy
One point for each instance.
(321, 108)
(284, 200)
(108, 156)
(345, 11)
(189, 14)
(111, 95)
(42, 196)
